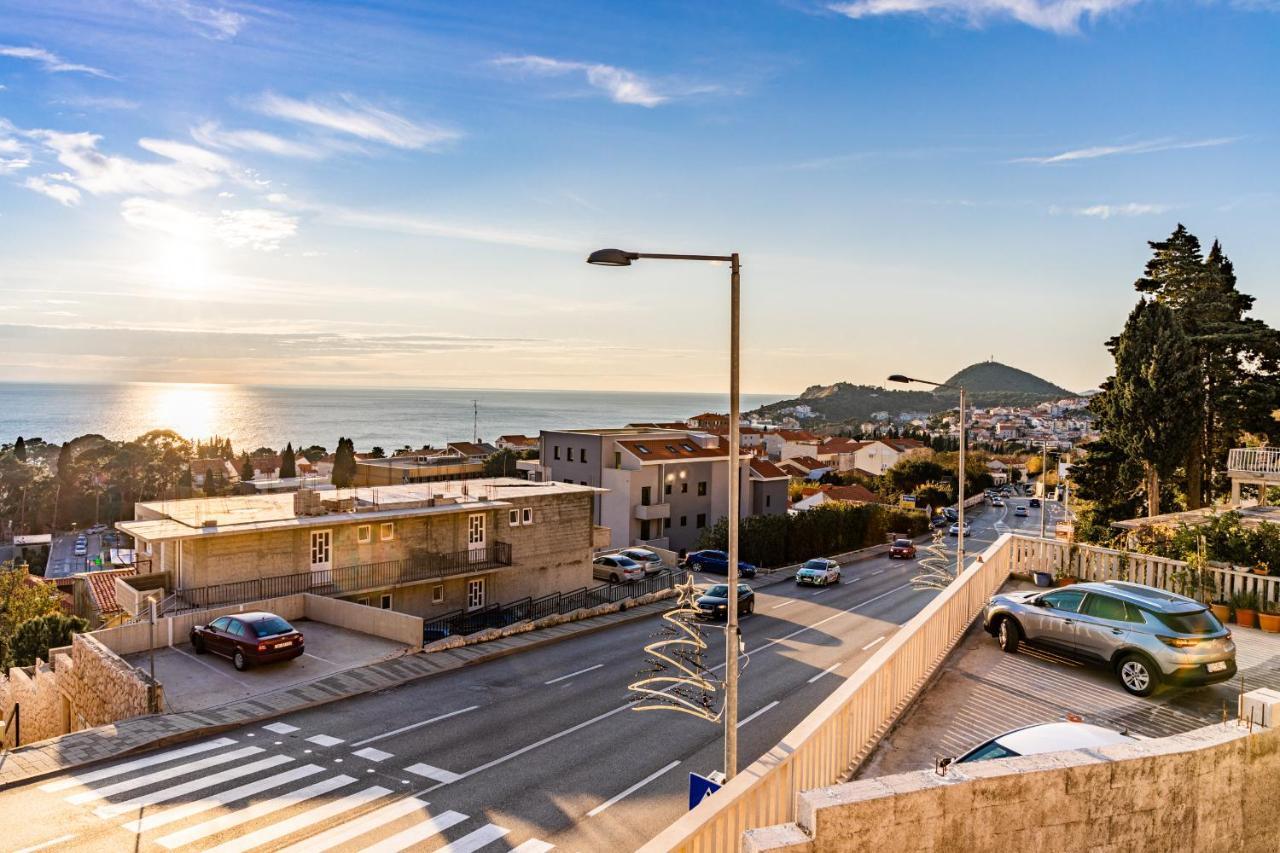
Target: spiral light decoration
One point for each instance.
(938, 570)
(676, 679)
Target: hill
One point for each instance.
(992, 376)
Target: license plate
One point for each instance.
(284, 645)
(1216, 666)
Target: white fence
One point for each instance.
(1254, 460)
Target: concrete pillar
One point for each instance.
(1235, 492)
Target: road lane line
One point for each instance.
(820, 592)
(742, 723)
(61, 839)
(175, 791)
(412, 726)
(573, 674)
(311, 816)
(119, 769)
(162, 775)
(185, 810)
(253, 812)
(637, 786)
(433, 773)
(475, 840)
(352, 829)
(826, 671)
(787, 603)
(874, 642)
(877, 572)
(416, 833)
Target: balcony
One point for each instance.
(1254, 464)
(652, 512)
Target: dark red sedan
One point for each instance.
(248, 638)
(902, 549)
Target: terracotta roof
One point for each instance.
(796, 435)
(840, 445)
(471, 448)
(808, 462)
(766, 470)
(681, 425)
(854, 493)
(517, 439)
(102, 588)
(902, 444)
(663, 449)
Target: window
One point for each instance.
(702, 488)
(513, 517)
(236, 628)
(569, 453)
(617, 459)
(702, 520)
(646, 495)
(666, 524)
(1066, 600)
(991, 750)
(387, 531)
(644, 530)
(1106, 607)
(768, 499)
(475, 593)
(684, 488)
(527, 514)
(555, 451)
(385, 603)
(684, 521)
(220, 624)
(363, 601)
(1197, 622)
(437, 594)
(364, 534)
(666, 490)
(642, 448)
(582, 455)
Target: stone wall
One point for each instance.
(1208, 790)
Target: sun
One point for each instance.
(180, 267)
(189, 409)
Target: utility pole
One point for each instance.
(1044, 464)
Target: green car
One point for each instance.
(818, 572)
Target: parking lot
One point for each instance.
(192, 681)
(982, 692)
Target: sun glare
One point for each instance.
(180, 266)
(188, 409)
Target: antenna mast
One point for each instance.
(475, 422)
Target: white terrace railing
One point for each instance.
(1257, 461)
(829, 744)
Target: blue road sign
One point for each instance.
(700, 787)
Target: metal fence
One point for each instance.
(502, 615)
(347, 580)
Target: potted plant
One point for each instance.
(1221, 610)
(1061, 578)
(1269, 617)
(1262, 568)
(1246, 607)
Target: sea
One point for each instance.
(255, 416)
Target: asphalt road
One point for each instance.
(62, 559)
(530, 752)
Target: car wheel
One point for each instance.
(240, 661)
(613, 578)
(751, 607)
(198, 645)
(1008, 634)
(1138, 675)
(697, 567)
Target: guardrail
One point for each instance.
(1254, 460)
(842, 731)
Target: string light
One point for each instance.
(677, 679)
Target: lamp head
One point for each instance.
(898, 377)
(612, 258)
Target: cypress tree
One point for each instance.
(246, 467)
(288, 462)
(20, 449)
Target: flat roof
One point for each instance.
(185, 519)
(1250, 516)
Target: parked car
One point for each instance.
(1045, 737)
(1020, 511)
(249, 638)
(951, 513)
(714, 603)
(616, 568)
(1147, 636)
(80, 550)
(648, 560)
(903, 549)
(818, 572)
(955, 529)
(1034, 502)
(716, 563)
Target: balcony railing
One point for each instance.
(348, 580)
(1254, 461)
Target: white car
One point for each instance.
(955, 529)
(648, 560)
(818, 572)
(616, 569)
(1046, 737)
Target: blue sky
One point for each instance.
(403, 193)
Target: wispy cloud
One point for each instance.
(407, 223)
(1110, 211)
(13, 152)
(254, 228)
(622, 86)
(1147, 147)
(350, 115)
(214, 136)
(49, 60)
(61, 193)
(216, 22)
(91, 102)
(1058, 16)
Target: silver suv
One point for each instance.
(1148, 636)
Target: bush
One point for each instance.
(832, 528)
(35, 637)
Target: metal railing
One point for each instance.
(1254, 460)
(842, 731)
(459, 622)
(347, 580)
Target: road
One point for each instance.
(535, 751)
(62, 559)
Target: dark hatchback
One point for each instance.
(714, 603)
(902, 549)
(249, 638)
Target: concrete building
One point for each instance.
(790, 443)
(400, 470)
(663, 487)
(878, 456)
(422, 549)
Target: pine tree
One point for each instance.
(246, 467)
(20, 449)
(344, 463)
(210, 482)
(288, 463)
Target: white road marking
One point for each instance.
(877, 572)
(253, 812)
(324, 740)
(372, 754)
(61, 839)
(416, 833)
(162, 775)
(533, 845)
(280, 728)
(435, 773)
(413, 726)
(354, 828)
(637, 786)
(120, 769)
(300, 821)
(204, 663)
(198, 784)
(186, 810)
(572, 674)
(877, 641)
(820, 592)
(475, 840)
(317, 657)
(826, 671)
(787, 603)
(742, 723)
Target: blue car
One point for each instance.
(716, 563)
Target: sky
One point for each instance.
(403, 194)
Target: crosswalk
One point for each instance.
(233, 795)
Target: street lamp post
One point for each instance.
(960, 476)
(620, 258)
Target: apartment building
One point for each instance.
(662, 487)
(416, 468)
(790, 443)
(425, 549)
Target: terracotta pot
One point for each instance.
(1269, 622)
(1222, 612)
(1259, 571)
(1246, 618)
(1065, 581)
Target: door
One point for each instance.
(1103, 624)
(475, 538)
(475, 593)
(216, 638)
(321, 550)
(1054, 621)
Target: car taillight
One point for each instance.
(1179, 642)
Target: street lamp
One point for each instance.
(906, 380)
(620, 258)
